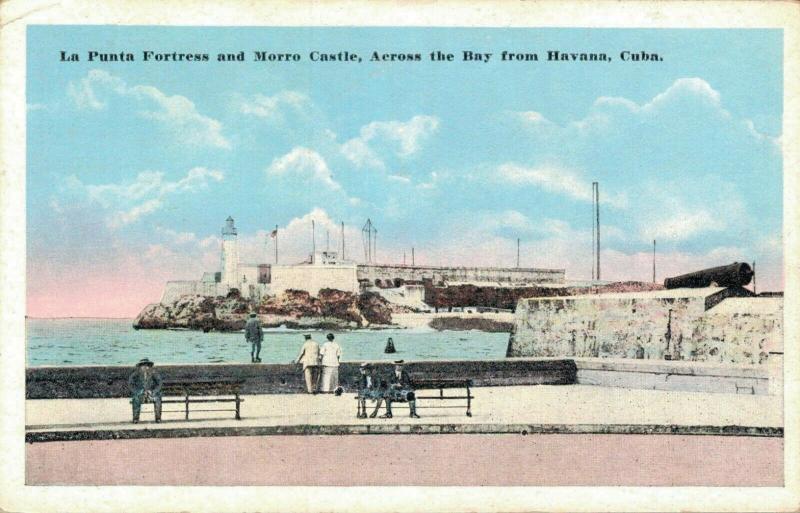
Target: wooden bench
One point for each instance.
(442, 384)
(188, 391)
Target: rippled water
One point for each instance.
(115, 342)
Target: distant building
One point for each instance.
(324, 269)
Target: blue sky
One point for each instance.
(133, 166)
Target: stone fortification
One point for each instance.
(393, 275)
(679, 324)
(506, 298)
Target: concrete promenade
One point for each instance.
(520, 435)
(515, 409)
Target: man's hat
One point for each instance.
(307, 336)
(145, 361)
(253, 314)
(399, 362)
(364, 365)
(329, 336)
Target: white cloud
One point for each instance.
(176, 113)
(122, 218)
(672, 215)
(430, 184)
(294, 239)
(405, 138)
(270, 107)
(85, 92)
(601, 116)
(685, 225)
(180, 116)
(145, 194)
(359, 153)
(557, 180)
(177, 237)
(532, 117)
(400, 178)
(305, 163)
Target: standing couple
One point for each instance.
(313, 357)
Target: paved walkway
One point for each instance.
(572, 408)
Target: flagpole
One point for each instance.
(276, 244)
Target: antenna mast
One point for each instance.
(342, 240)
(369, 238)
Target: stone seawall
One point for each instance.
(112, 381)
(708, 325)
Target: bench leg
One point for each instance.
(469, 403)
(238, 417)
(187, 406)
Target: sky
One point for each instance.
(133, 167)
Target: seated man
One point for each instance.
(401, 390)
(366, 388)
(145, 385)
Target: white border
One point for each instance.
(15, 15)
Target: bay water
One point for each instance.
(83, 341)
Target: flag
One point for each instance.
(273, 234)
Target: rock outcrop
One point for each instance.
(332, 309)
(506, 298)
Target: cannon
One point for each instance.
(737, 274)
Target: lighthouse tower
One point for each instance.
(230, 255)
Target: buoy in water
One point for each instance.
(390, 346)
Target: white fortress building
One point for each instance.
(397, 283)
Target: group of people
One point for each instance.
(320, 364)
(372, 387)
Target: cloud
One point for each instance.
(691, 99)
(305, 163)
(403, 138)
(430, 184)
(685, 225)
(294, 239)
(176, 113)
(176, 237)
(144, 195)
(673, 216)
(272, 107)
(400, 178)
(557, 180)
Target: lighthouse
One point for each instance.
(230, 255)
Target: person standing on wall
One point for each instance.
(254, 335)
(330, 353)
(309, 357)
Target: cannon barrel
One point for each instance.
(737, 274)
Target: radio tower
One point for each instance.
(369, 237)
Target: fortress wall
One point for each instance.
(510, 275)
(740, 330)
(175, 289)
(637, 326)
(313, 278)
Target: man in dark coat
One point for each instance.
(401, 389)
(145, 385)
(254, 335)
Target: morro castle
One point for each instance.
(324, 269)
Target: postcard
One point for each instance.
(443, 257)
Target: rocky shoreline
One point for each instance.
(330, 310)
